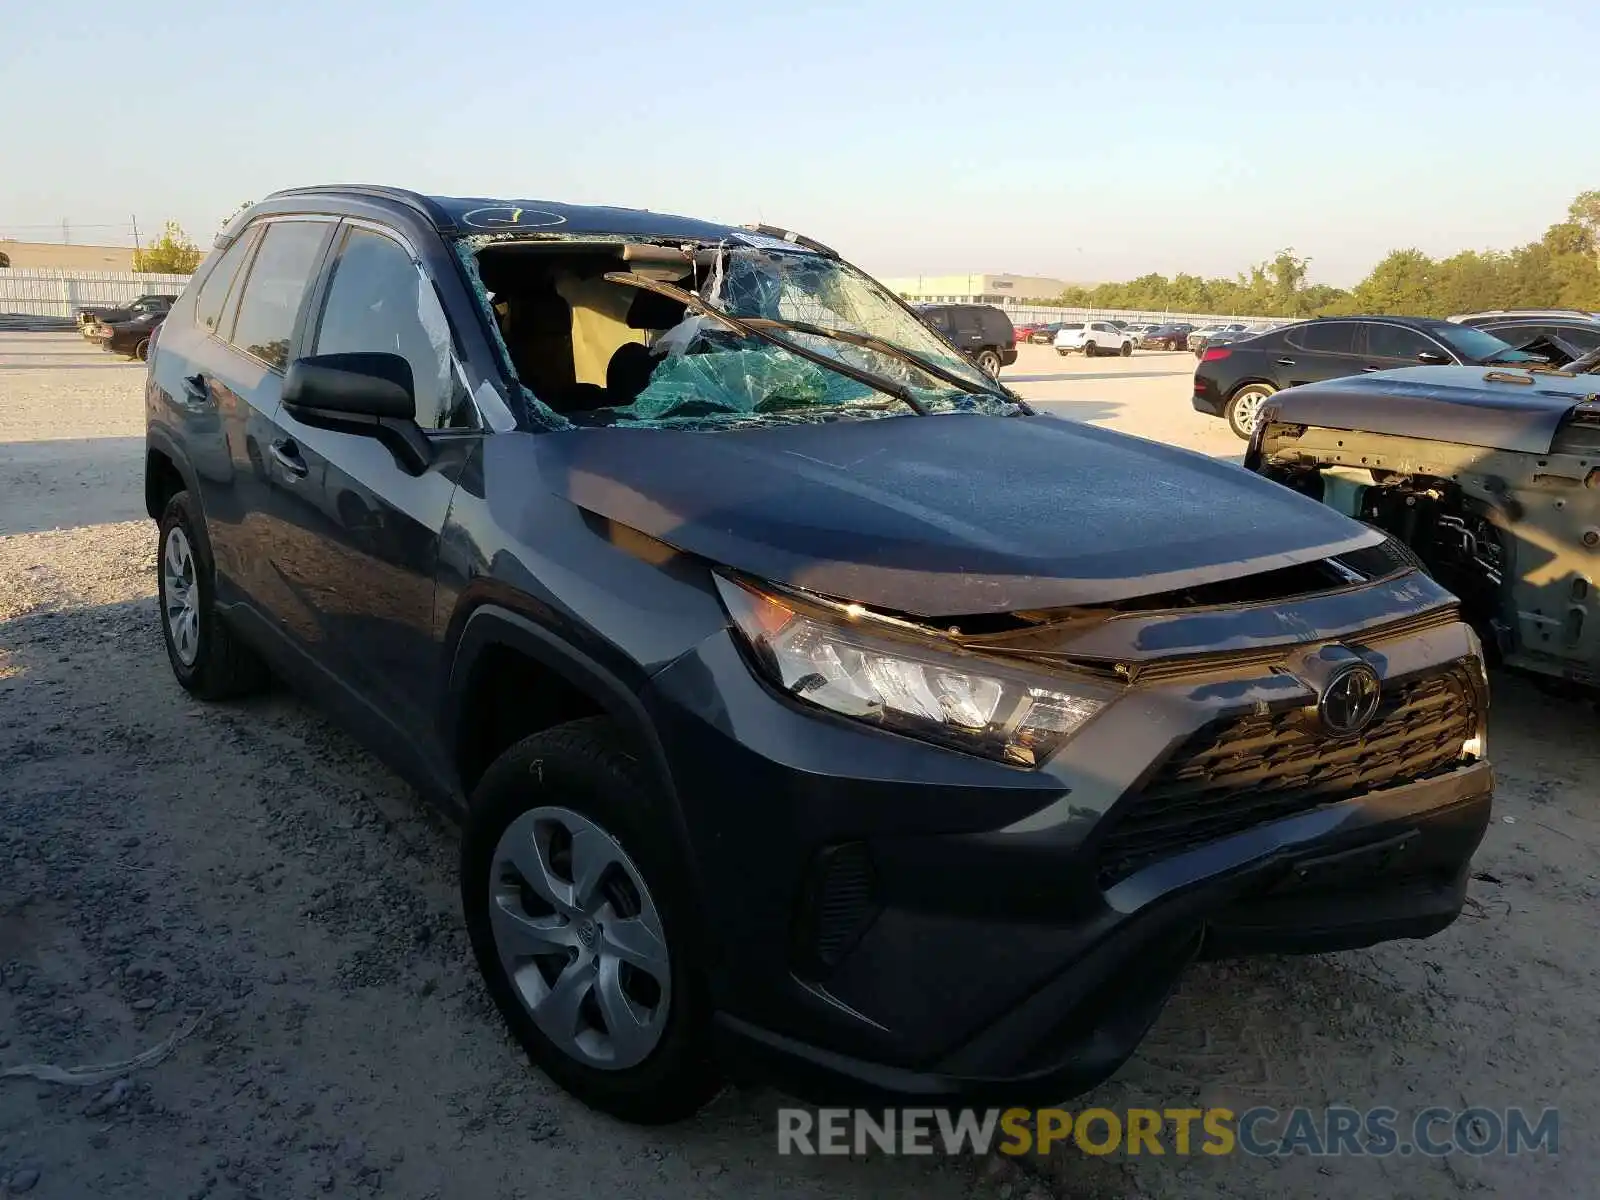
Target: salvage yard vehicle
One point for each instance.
(1199, 339)
(1090, 338)
(1489, 477)
(90, 319)
(980, 331)
(1231, 381)
(732, 612)
(1557, 338)
(132, 337)
(1166, 337)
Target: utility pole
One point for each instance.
(136, 245)
(66, 232)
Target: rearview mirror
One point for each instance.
(1433, 358)
(363, 393)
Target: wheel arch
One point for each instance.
(490, 637)
(497, 644)
(167, 472)
(1247, 382)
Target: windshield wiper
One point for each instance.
(868, 342)
(878, 383)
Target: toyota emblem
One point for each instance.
(1350, 700)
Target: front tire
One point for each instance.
(577, 906)
(142, 351)
(1245, 405)
(1089, 350)
(208, 658)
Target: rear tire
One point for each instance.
(557, 800)
(208, 658)
(1127, 349)
(1244, 405)
(1088, 350)
(989, 363)
(142, 351)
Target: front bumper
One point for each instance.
(974, 949)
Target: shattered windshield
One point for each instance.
(703, 371)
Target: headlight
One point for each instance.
(959, 700)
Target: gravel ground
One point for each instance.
(243, 889)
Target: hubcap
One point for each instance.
(1246, 406)
(180, 596)
(579, 938)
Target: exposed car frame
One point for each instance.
(1490, 476)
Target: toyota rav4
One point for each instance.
(810, 705)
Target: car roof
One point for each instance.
(460, 215)
(1548, 319)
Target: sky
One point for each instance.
(1083, 141)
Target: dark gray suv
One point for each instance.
(808, 703)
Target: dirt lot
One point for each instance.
(244, 879)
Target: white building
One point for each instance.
(977, 288)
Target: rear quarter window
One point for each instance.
(214, 291)
(996, 326)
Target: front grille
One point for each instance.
(1244, 771)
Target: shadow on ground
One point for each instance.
(70, 482)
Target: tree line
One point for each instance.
(1560, 270)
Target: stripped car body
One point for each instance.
(1491, 477)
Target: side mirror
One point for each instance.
(371, 394)
(350, 385)
(1433, 358)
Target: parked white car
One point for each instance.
(1093, 337)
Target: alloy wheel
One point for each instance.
(580, 938)
(180, 595)
(1245, 409)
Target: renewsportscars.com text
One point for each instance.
(1260, 1132)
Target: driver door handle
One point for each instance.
(1286, 362)
(287, 455)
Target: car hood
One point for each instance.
(1495, 407)
(946, 515)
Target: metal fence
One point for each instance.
(1026, 314)
(41, 293)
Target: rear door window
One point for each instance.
(276, 288)
(214, 291)
(1325, 337)
(1395, 341)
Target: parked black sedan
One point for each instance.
(132, 337)
(1231, 381)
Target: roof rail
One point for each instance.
(415, 201)
(1537, 310)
